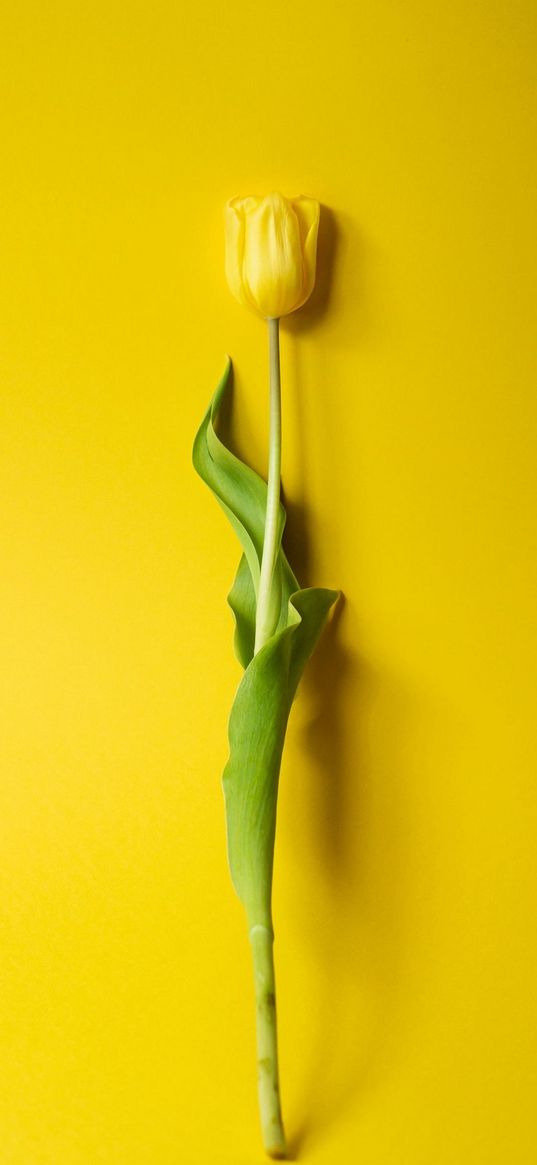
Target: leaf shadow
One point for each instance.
(351, 919)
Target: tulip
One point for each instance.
(270, 266)
(271, 246)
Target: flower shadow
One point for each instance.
(327, 254)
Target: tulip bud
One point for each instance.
(271, 246)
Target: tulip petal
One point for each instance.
(308, 212)
(272, 267)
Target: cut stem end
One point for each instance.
(274, 1142)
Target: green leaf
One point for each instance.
(260, 712)
(257, 728)
(242, 494)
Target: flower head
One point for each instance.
(271, 246)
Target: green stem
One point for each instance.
(261, 939)
(266, 616)
(262, 936)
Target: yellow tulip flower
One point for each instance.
(271, 246)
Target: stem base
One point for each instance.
(261, 939)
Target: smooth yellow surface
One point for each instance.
(405, 866)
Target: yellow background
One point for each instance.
(405, 862)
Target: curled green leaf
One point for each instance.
(260, 711)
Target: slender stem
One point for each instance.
(261, 939)
(265, 617)
(261, 936)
